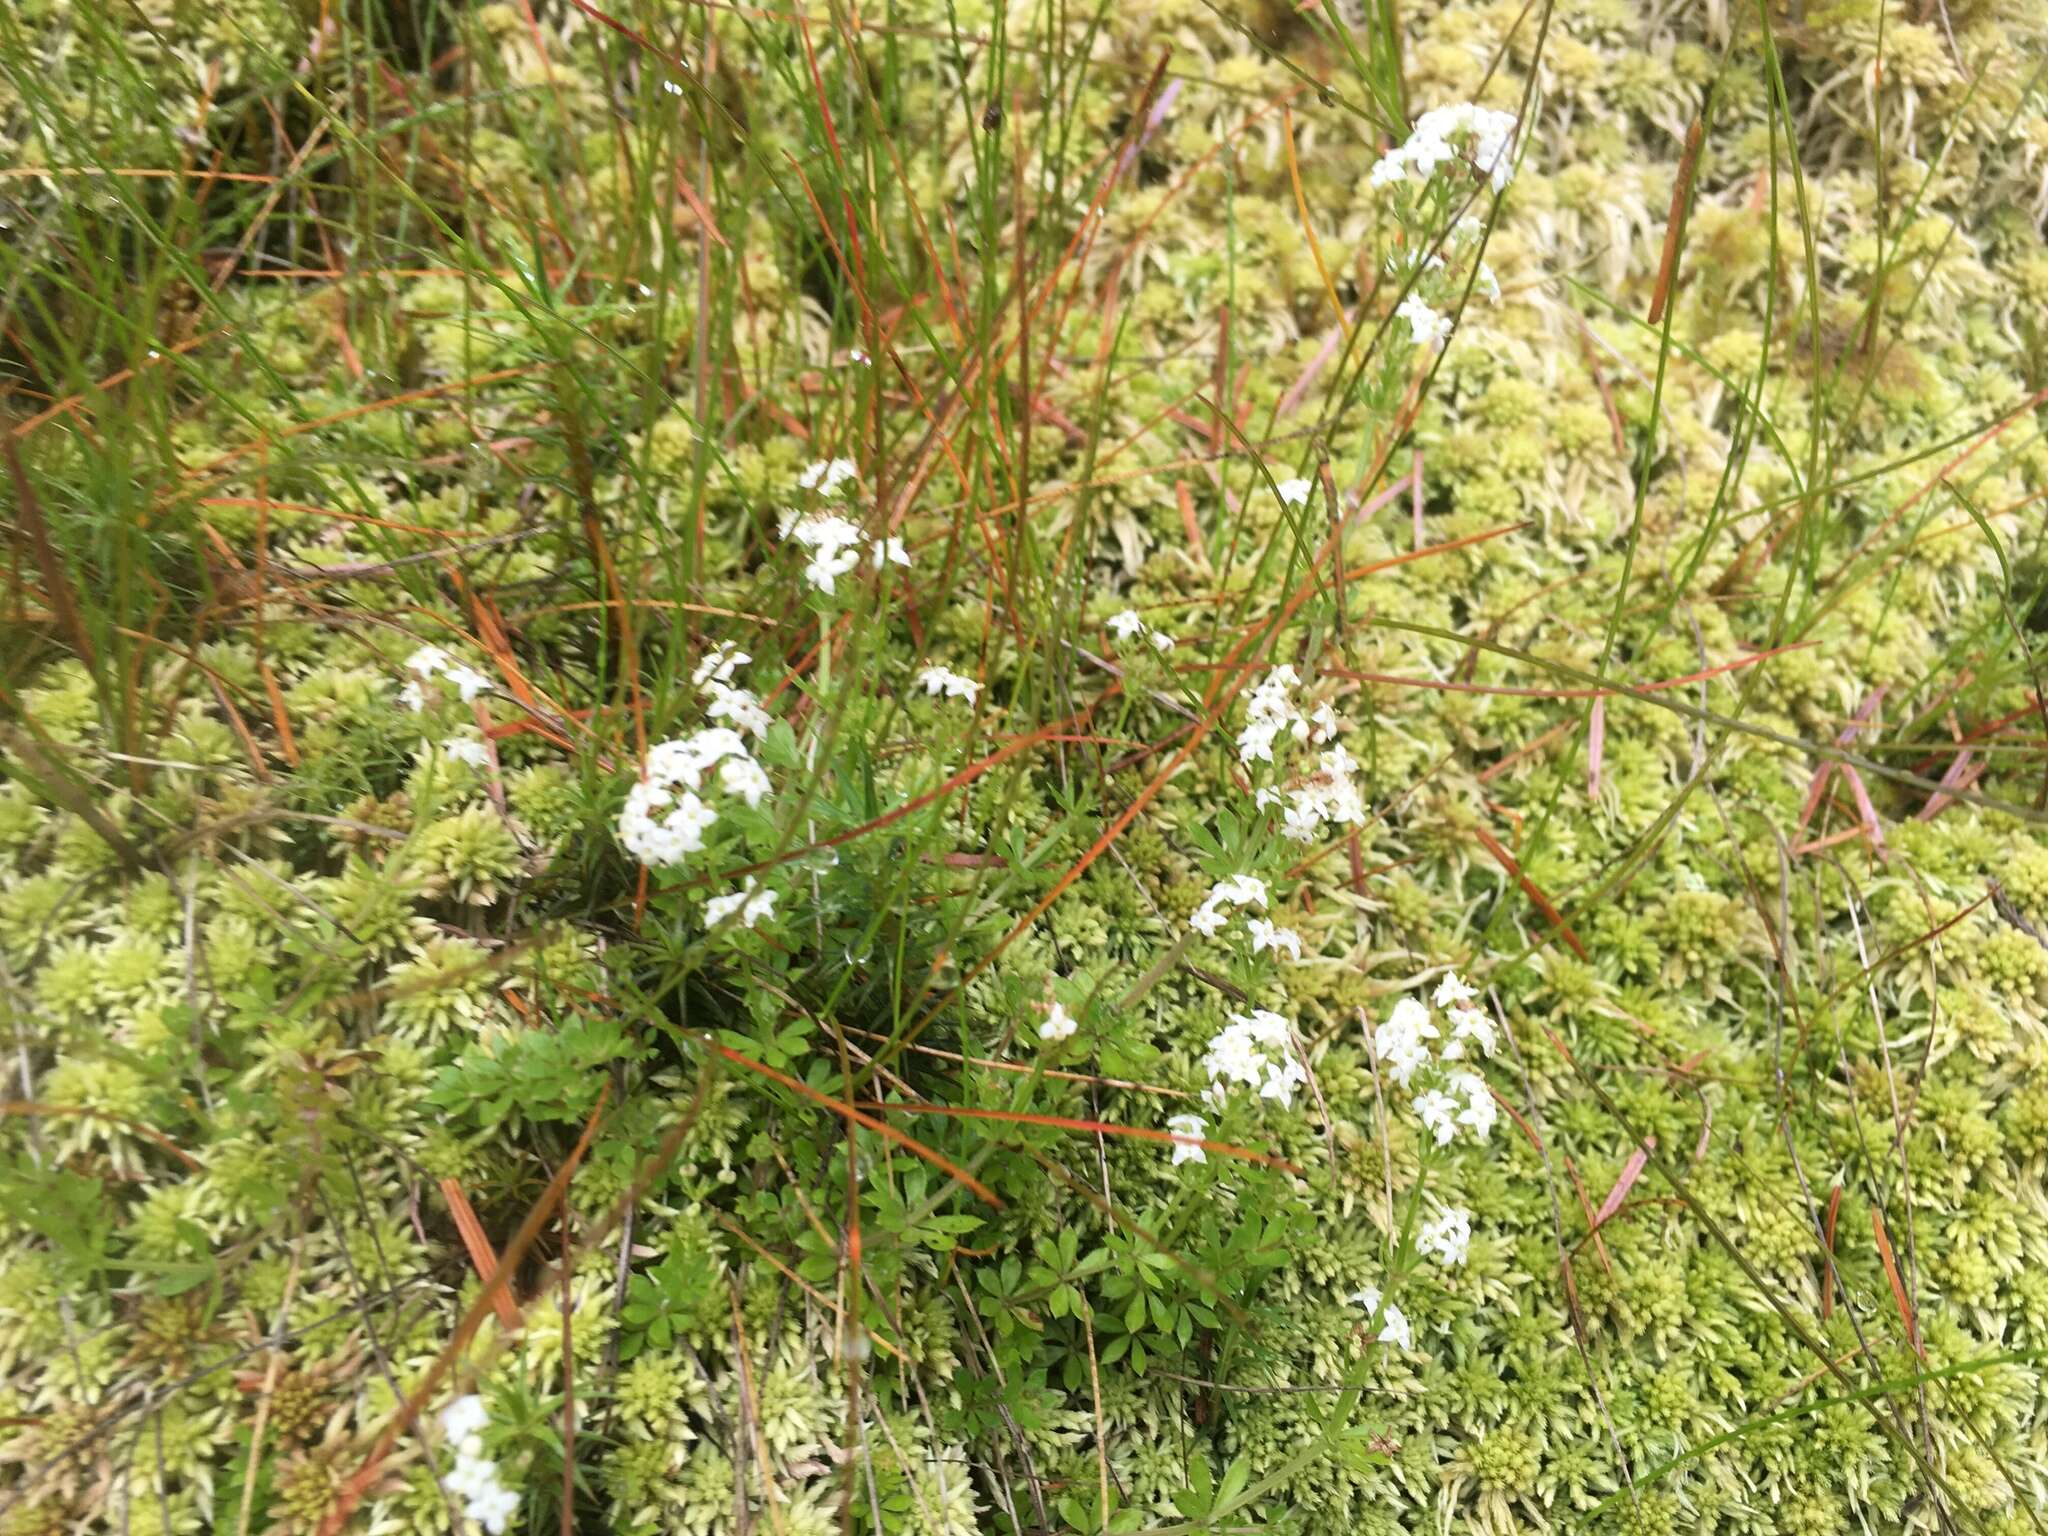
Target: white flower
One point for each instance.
(1161, 641)
(1264, 1026)
(1255, 741)
(1265, 798)
(474, 1476)
(467, 750)
(1388, 169)
(1425, 326)
(1281, 1078)
(1233, 1057)
(740, 707)
(427, 661)
(1323, 725)
(1189, 1151)
(1295, 492)
(1488, 283)
(659, 827)
(750, 903)
(744, 777)
(1448, 1236)
(1400, 1041)
(1453, 989)
(1470, 1024)
(1302, 819)
(1439, 1112)
(1480, 1111)
(1059, 1024)
(1266, 936)
(687, 760)
(718, 664)
(468, 682)
(834, 542)
(412, 696)
(890, 551)
(827, 475)
(1394, 1327)
(1240, 891)
(1126, 624)
(938, 680)
(1208, 920)
(828, 565)
(464, 1417)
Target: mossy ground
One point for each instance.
(1690, 670)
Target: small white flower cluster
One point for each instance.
(1059, 1024)
(835, 544)
(1238, 891)
(1189, 1149)
(1271, 709)
(939, 680)
(430, 662)
(1128, 626)
(1462, 131)
(752, 903)
(1328, 794)
(1253, 1050)
(1403, 1046)
(665, 820)
(485, 1498)
(828, 475)
(1447, 1236)
(1394, 1327)
(1426, 327)
(713, 679)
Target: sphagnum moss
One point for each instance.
(502, 391)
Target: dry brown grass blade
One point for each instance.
(1530, 889)
(56, 583)
(1898, 1285)
(481, 1256)
(1674, 222)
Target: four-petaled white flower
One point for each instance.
(427, 661)
(412, 696)
(467, 750)
(1295, 492)
(938, 680)
(1394, 1327)
(746, 778)
(1059, 1024)
(1453, 989)
(1470, 1024)
(1187, 1151)
(1439, 1112)
(1480, 1110)
(1208, 921)
(750, 901)
(1162, 642)
(468, 682)
(1267, 936)
(718, 664)
(1127, 624)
